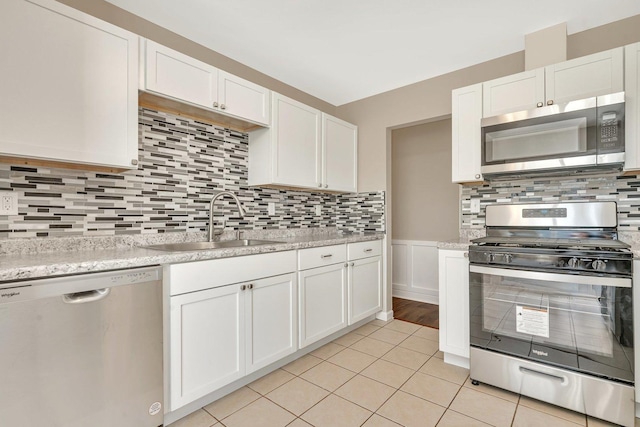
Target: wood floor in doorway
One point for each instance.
(417, 312)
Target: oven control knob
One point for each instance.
(488, 256)
(508, 258)
(573, 262)
(599, 265)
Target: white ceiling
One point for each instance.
(344, 50)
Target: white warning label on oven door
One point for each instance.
(532, 320)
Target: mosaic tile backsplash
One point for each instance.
(182, 163)
(623, 189)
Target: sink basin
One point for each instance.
(201, 246)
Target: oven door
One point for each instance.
(578, 322)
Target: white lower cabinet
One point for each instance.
(322, 302)
(364, 280)
(207, 342)
(220, 332)
(271, 320)
(453, 267)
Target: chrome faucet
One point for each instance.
(213, 200)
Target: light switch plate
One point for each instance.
(475, 205)
(271, 208)
(8, 203)
(318, 210)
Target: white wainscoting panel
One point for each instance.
(415, 270)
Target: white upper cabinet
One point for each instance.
(466, 114)
(339, 154)
(297, 150)
(69, 87)
(304, 148)
(244, 99)
(179, 76)
(632, 101)
(522, 91)
(176, 75)
(592, 75)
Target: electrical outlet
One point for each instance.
(271, 208)
(8, 203)
(475, 205)
(318, 210)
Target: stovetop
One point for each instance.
(586, 244)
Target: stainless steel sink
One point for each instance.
(201, 246)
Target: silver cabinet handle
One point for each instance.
(243, 287)
(86, 296)
(320, 185)
(250, 286)
(326, 256)
(466, 254)
(134, 162)
(215, 105)
(550, 102)
(540, 104)
(352, 264)
(326, 186)
(368, 250)
(224, 107)
(477, 176)
(346, 264)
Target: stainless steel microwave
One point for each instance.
(578, 135)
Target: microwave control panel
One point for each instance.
(609, 128)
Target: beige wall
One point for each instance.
(110, 13)
(425, 202)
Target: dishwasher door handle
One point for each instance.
(87, 296)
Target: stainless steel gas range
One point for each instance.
(551, 308)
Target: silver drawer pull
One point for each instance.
(543, 374)
(326, 256)
(368, 250)
(87, 296)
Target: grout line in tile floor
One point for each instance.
(242, 404)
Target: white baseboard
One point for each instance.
(454, 359)
(385, 316)
(415, 296)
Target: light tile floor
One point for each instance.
(380, 375)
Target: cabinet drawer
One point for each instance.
(325, 255)
(195, 276)
(364, 249)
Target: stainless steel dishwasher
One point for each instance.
(82, 350)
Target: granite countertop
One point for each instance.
(461, 243)
(93, 257)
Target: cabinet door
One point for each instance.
(322, 296)
(271, 320)
(244, 99)
(365, 288)
(591, 75)
(339, 154)
(69, 86)
(454, 302)
(466, 147)
(207, 342)
(518, 92)
(297, 147)
(632, 113)
(179, 76)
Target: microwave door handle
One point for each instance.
(618, 282)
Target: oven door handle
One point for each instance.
(618, 282)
